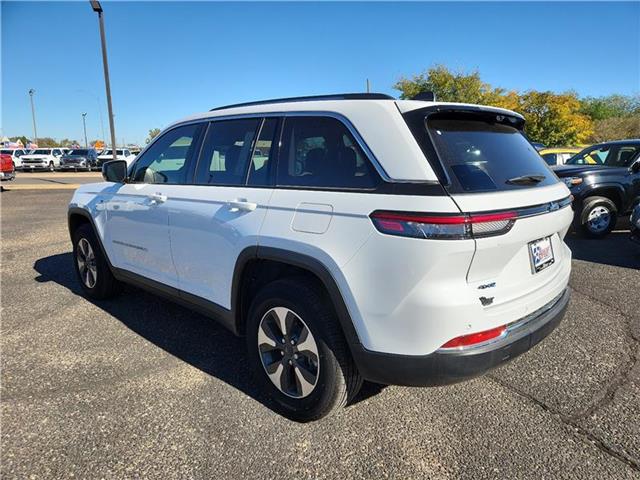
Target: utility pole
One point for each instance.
(95, 5)
(368, 90)
(84, 126)
(33, 116)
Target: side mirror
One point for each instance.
(114, 171)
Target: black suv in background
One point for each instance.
(605, 182)
(79, 159)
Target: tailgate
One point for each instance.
(503, 268)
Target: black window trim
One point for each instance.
(387, 186)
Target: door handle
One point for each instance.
(157, 198)
(241, 205)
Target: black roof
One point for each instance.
(312, 98)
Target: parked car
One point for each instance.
(42, 159)
(605, 182)
(7, 169)
(397, 241)
(121, 154)
(558, 156)
(635, 224)
(16, 154)
(79, 159)
(539, 146)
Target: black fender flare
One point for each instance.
(306, 262)
(592, 190)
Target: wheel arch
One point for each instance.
(249, 276)
(77, 216)
(612, 191)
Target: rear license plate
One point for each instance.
(541, 254)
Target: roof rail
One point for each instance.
(338, 96)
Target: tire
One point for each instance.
(97, 282)
(598, 217)
(331, 380)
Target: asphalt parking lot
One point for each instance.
(140, 387)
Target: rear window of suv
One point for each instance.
(482, 153)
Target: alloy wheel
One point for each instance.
(599, 219)
(86, 260)
(288, 352)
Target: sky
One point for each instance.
(168, 60)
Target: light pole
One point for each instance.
(95, 5)
(97, 99)
(84, 126)
(33, 116)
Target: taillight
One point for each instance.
(475, 338)
(444, 227)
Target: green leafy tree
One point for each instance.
(601, 108)
(449, 86)
(553, 119)
(154, 132)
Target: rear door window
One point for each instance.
(320, 152)
(227, 151)
(482, 154)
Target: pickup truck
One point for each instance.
(604, 180)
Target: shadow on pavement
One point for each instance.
(189, 336)
(615, 249)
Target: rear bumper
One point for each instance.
(441, 368)
(7, 175)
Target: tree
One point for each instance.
(45, 142)
(601, 108)
(554, 119)
(616, 128)
(22, 138)
(154, 132)
(458, 86)
(65, 142)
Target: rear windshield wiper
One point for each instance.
(526, 179)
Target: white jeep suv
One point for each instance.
(348, 237)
